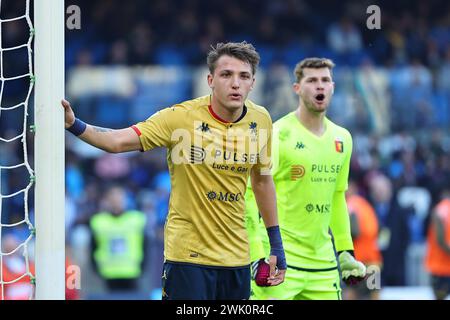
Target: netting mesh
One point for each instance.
(12, 277)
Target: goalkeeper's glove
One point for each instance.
(353, 271)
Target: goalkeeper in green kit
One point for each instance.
(311, 157)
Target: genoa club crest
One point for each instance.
(339, 144)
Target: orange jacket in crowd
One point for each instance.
(23, 289)
(71, 293)
(14, 268)
(365, 245)
(437, 261)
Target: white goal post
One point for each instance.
(49, 17)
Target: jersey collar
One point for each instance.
(215, 116)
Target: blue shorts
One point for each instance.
(181, 281)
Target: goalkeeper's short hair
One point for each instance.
(313, 63)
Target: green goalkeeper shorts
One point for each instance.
(302, 285)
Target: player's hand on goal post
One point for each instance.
(69, 115)
(71, 123)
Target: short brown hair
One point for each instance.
(314, 63)
(240, 50)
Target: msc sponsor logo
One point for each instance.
(297, 172)
(223, 196)
(317, 208)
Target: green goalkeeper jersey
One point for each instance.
(310, 175)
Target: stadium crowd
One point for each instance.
(393, 94)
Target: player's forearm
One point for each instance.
(252, 226)
(264, 190)
(340, 223)
(109, 140)
(102, 138)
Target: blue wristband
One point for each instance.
(78, 127)
(276, 246)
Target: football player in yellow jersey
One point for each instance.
(214, 144)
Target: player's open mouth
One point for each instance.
(320, 98)
(235, 96)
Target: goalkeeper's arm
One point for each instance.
(114, 141)
(352, 270)
(340, 223)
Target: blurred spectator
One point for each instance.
(118, 242)
(277, 90)
(162, 189)
(15, 270)
(411, 88)
(84, 58)
(141, 44)
(443, 80)
(148, 201)
(393, 238)
(344, 37)
(111, 166)
(119, 54)
(438, 253)
(364, 226)
(372, 84)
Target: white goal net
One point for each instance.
(12, 271)
(32, 250)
